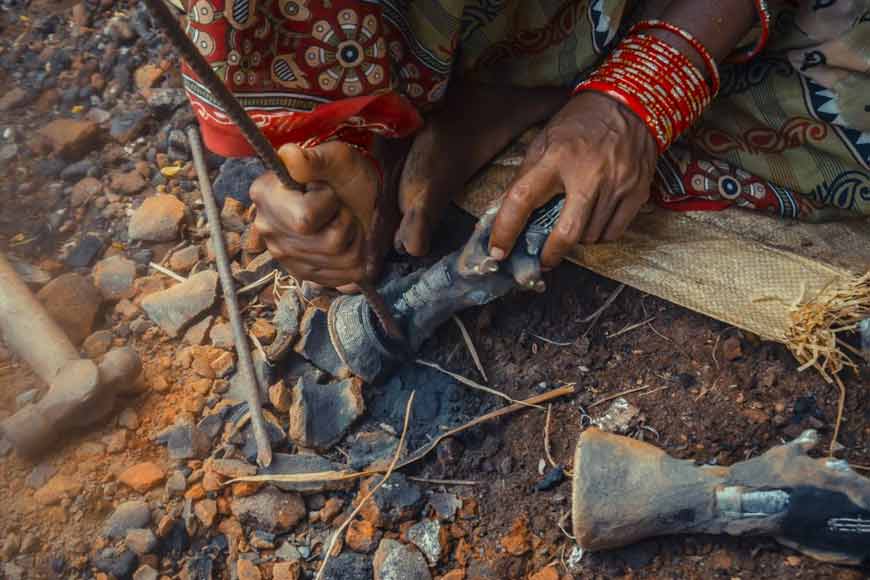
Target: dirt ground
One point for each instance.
(705, 391)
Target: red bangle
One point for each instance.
(709, 61)
(764, 20)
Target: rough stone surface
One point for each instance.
(349, 566)
(397, 561)
(70, 138)
(206, 511)
(40, 475)
(184, 440)
(114, 277)
(141, 540)
(57, 488)
(283, 463)
(174, 309)
(73, 302)
(116, 563)
(127, 516)
(372, 448)
(221, 335)
(320, 415)
(127, 182)
(146, 572)
(13, 98)
(270, 509)
(142, 476)
(287, 571)
(396, 501)
(85, 251)
(128, 125)
(315, 344)
(183, 260)
(362, 536)
(430, 538)
(232, 468)
(235, 178)
(98, 343)
(247, 570)
(157, 219)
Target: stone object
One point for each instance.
(221, 335)
(372, 449)
(431, 538)
(146, 572)
(116, 563)
(235, 178)
(98, 343)
(85, 251)
(184, 440)
(13, 99)
(40, 475)
(70, 138)
(147, 77)
(114, 276)
(315, 344)
(287, 571)
(176, 308)
(182, 261)
(128, 125)
(618, 418)
(142, 476)
(127, 516)
(73, 302)
(127, 183)
(158, 219)
(128, 419)
(279, 397)
(396, 501)
(57, 488)
(85, 190)
(320, 415)
(197, 333)
(362, 536)
(206, 511)
(397, 561)
(283, 463)
(141, 540)
(270, 509)
(350, 566)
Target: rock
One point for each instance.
(10, 547)
(287, 571)
(79, 169)
(127, 516)
(263, 330)
(221, 335)
(141, 540)
(176, 484)
(445, 505)
(235, 178)
(73, 302)
(247, 570)
(85, 190)
(320, 415)
(288, 551)
(184, 440)
(128, 419)
(13, 99)
(118, 564)
(397, 561)
(223, 364)
(85, 251)
(270, 509)
(518, 541)
(116, 442)
(350, 566)
(158, 219)
(431, 538)
(143, 476)
(114, 277)
(26, 398)
(71, 138)
(8, 152)
(98, 343)
(147, 76)
(315, 344)
(182, 261)
(197, 333)
(174, 309)
(362, 536)
(548, 573)
(233, 215)
(618, 418)
(127, 182)
(372, 448)
(206, 511)
(396, 501)
(146, 572)
(163, 102)
(232, 468)
(128, 125)
(40, 475)
(232, 243)
(732, 348)
(252, 241)
(279, 397)
(57, 488)
(283, 463)
(29, 544)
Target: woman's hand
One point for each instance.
(319, 234)
(597, 152)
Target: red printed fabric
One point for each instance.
(306, 71)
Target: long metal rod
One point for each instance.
(261, 145)
(240, 337)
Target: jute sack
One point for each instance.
(795, 283)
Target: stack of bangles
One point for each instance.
(656, 81)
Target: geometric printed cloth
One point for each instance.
(789, 132)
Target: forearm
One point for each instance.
(718, 24)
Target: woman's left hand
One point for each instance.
(601, 156)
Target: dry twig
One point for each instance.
(622, 394)
(468, 382)
(610, 299)
(549, 340)
(631, 327)
(167, 272)
(372, 491)
(445, 481)
(470, 345)
(547, 438)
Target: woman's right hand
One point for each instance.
(319, 234)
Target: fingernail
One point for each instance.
(489, 265)
(497, 253)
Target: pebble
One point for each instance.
(127, 126)
(10, 547)
(196, 334)
(371, 449)
(143, 477)
(141, 540)
(85, 251)
(548, 573)
(70, 139)
(73, 302)
(262, 540)
(98, 343)
(56, 489)
(206, 511)
(430, 538)
(119, 564)
(287, 571)
(116, 442)
(128, 419)
(184, 440)
(26, 398)
(279, 397)
(14, 98)
(397, 561)
(126, 182)
(247, 570)
(351, 566)
(445, 505)
(147, 76)
(362, 536)
(40, 475)
(114, 276)
(618, 418)
(320, 415)
(146, 572)
(79, 169)
(182, 261)
(176, 308)
(235, 178)
(176, 484)
(158, 219)
(270, 509)
(396, 501)
(127, 516)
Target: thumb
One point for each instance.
(325, 162)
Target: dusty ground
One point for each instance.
(715, 395)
